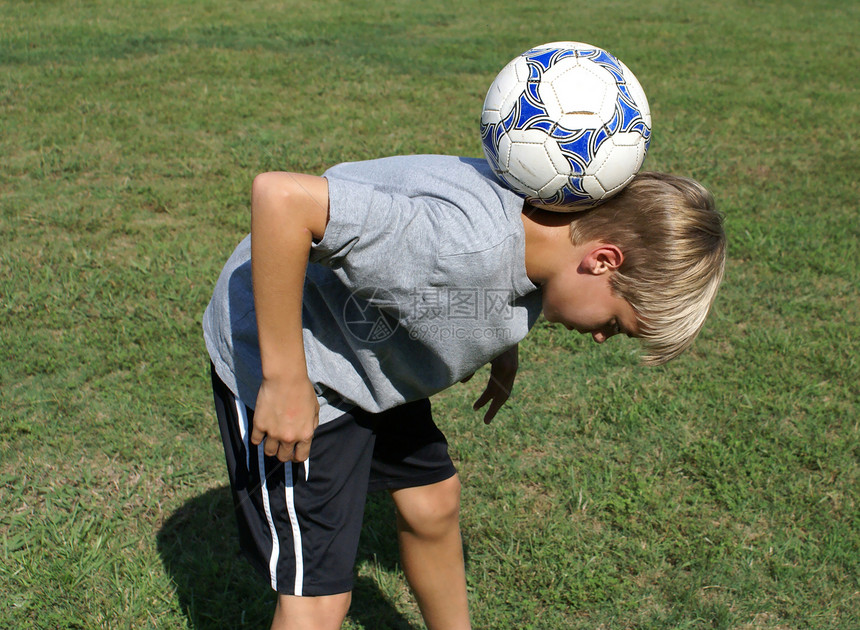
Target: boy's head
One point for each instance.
(674, 252)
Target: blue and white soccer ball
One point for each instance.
(566, 125)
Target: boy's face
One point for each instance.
(581, 298)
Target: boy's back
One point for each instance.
(419, 280)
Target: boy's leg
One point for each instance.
(431, 551)
(311, 613)
(299, 524)
(411, 461)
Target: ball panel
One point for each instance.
(592, 186)
(553, 187)
(531, 165)
(579, 98)
(618, 166)
(528, 111)
(516, 185)
(504, 152)
(581, 148)
(533, 159)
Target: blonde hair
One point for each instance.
(674, 250)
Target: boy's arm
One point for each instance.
(288, 211)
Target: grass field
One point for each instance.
(719, 491)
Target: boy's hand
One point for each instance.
(286, 415)
(503, 371)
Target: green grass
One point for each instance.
(720, 491)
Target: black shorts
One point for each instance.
(299, 524)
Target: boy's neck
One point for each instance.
(548, 246)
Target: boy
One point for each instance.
(361, 293)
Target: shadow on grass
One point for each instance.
(217, 588)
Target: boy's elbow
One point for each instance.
(301, 199)
(273, 195)
(268, 188)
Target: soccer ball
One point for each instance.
(566, 125)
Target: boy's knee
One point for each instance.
(429, 511)
(326, 612)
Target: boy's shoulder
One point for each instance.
(419, 174)
(423, 162)
(446, 203)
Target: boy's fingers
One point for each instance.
(496, 399)
(498, 402)
(257, 436)
(491, 412)
(483, 399)
(271, 446)
(285, 451)
(302, 452)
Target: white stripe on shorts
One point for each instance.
(276, 548)
(242, 414)
(294, 525)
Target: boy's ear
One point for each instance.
(604, 257)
